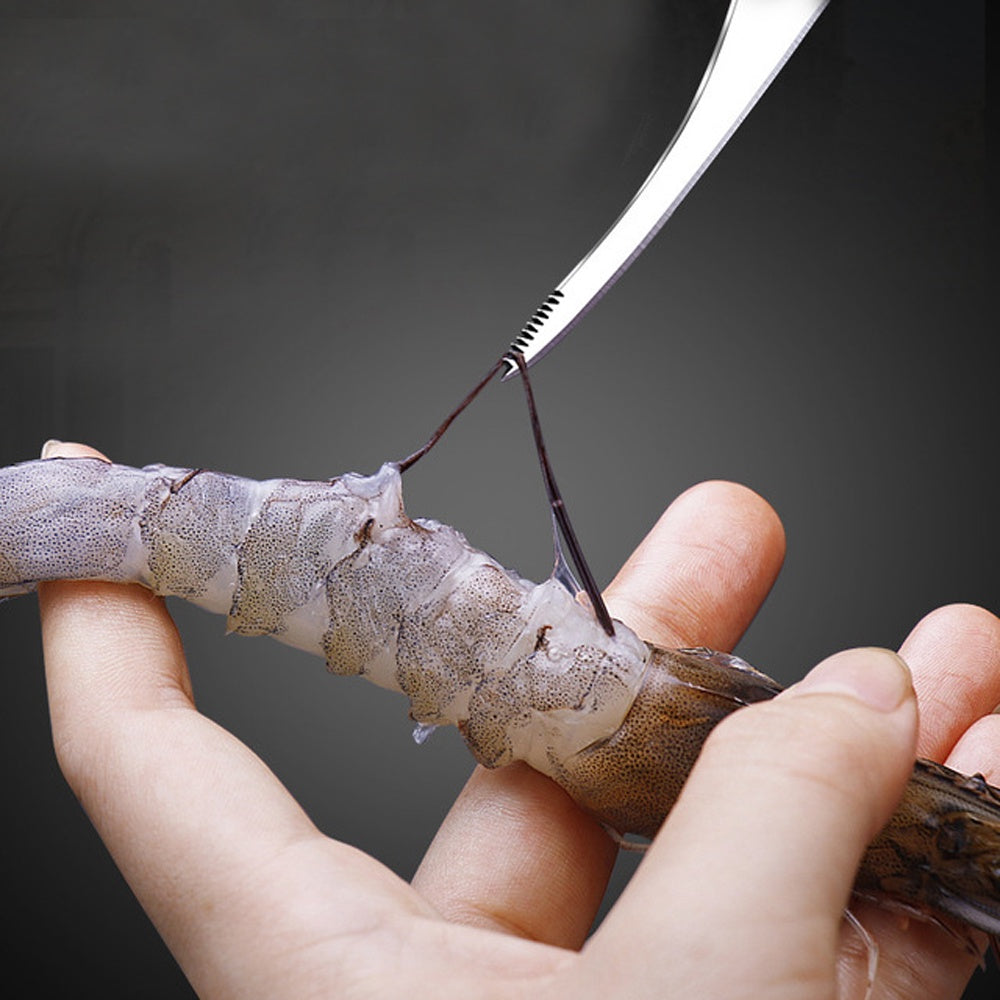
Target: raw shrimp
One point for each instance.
(525, 671)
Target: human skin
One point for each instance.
(741, 893)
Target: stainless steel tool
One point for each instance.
(757, 38)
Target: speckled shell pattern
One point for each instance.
(338, 569)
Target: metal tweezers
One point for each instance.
(757, 38)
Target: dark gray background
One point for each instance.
(286, 245)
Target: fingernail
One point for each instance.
(876, 677)
(49, 447)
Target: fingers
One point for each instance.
(954, 653)
(765, 840)
(701, 574)
(954, 656)
(209, 840)
(514, 853)
(71, 449)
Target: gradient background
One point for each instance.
(286, 244)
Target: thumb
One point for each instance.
(750, 874)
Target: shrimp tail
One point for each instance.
(941, 848)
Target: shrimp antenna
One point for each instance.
(439, 433)
(557, 504)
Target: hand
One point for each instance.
(740, 895)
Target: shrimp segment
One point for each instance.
(522, 669)
(339, 570)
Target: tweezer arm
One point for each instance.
(756, 40)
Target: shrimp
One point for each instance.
(525, 671)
